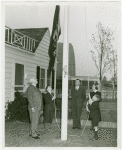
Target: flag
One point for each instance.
(56, 31)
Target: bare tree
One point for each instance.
(113, 68)
(102, 46)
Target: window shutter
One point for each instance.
(38, 76)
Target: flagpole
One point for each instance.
(65, 80)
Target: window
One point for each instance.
(90, 84)
(42, 79)
(84, 83)
(19, 77)
(48, 78)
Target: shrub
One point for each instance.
(17, 110)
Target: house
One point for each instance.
(26, 56)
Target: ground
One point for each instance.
(17, 135)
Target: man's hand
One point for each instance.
(53, 98)
(33, 109)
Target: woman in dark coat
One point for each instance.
(49, 106)
(93, 108)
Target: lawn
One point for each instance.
(17, 135)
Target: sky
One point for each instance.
(82, 20)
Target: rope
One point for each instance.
(64, 69)
(60, 128)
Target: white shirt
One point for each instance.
(77, 87)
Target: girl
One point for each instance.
(93, 108)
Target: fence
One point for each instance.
(105, 94)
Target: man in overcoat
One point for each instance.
(35, 106)
(78, 98)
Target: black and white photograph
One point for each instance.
(61, 74)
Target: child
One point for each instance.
(95, 115)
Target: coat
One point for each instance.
(49, 107)
(34, 96)
(95, 111)
(93, 93)
(49, 103)
(78, 96)
(94, 107)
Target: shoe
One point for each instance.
(96, 135)
(37, 134)
(36, 137)
(73, 127)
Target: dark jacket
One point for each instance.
(34, 96)
(95, 111)
(78, 96)
(49, 103)
(95, 93)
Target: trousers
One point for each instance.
(34, 119)
(76, 112)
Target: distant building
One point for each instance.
(71, 62)
(86, 81)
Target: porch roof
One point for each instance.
(35, 33)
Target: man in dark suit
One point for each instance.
(78, 98)
(35, 106)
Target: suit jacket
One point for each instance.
(49, 104)
(34, 96)
(78, 96)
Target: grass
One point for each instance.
(17, 135)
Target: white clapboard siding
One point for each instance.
(8, 60)
(19, 55)
(8, 65)
(8, 90)
(31, 73)
(45, 42)
(42, 50)
(8, 70)
(44, 53)
(30, 61)
(8, 75)
(8, 81)
(43, 46)
(47, 36)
